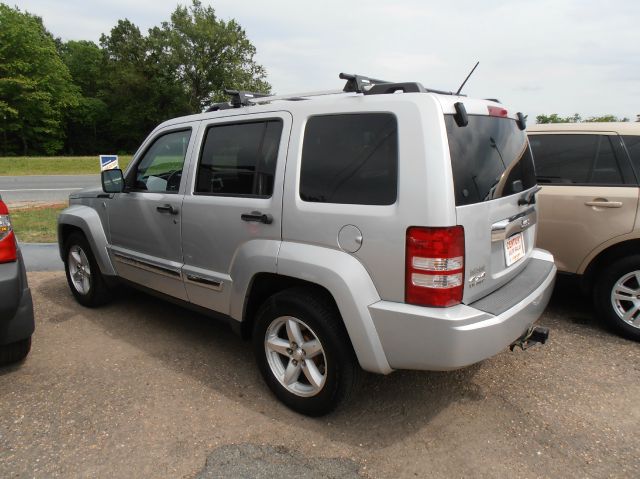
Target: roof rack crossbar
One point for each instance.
(241, 98)
(357, 83)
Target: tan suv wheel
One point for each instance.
(617, 296)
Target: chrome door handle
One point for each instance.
(605, 204)
(167, 209)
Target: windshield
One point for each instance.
(490, 158)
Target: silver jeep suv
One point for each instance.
(339, 230)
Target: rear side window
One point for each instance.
(577, 159)
(350, 159)
(490, 158)
(239, 159)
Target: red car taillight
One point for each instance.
(8, 247)
(434, 271)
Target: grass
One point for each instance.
(36, 224)
(54, 165)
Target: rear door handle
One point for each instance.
(604, 204)
(257, 217)
(167, 209)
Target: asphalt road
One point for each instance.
(142, 388)
(16, 190)
(41, 257)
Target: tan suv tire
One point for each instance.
(617, 297)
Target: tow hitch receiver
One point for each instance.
(534, 335)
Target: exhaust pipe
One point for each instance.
(533, 336)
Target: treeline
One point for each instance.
(577, 118)
(77, 97)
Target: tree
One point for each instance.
(139, 93)
(605, 119)
(555, 118)
(206, 55)
(85, 121)
(35, 85)
(576, 118)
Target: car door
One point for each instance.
(589, 193)
(145, 221)
(234, 204)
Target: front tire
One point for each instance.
(303, 351)
(83, 274)
(617, 297)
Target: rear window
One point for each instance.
(490, 158)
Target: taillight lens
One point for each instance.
(497, 111)
(8, 247)
(434, 271)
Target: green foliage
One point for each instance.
(108, 97)
(605, 119)
(206, 55)
(35, 85)
(576, 118)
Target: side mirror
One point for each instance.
(112, 181)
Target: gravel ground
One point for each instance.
(142, 388)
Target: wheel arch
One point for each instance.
(85, 220)
(331, 272)
(606, 257)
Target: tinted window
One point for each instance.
(239, 159)
(576, 159)
(350, 159)
(160, 169)
(490, 158)
(633, 147)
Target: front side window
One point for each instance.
(160, 169)
(239, 159)
(576, 159)
(350, 159)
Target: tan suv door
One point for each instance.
(589, 194)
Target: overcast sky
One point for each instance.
(543, 56)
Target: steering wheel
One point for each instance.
(173, 180)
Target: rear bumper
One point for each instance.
(16, 307)
(415, 337)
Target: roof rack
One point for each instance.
(294, 96)
(371, 86)
(355, 84)
(239, 98)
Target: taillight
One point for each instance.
(434, 271)
(497, 111)
(8, 248)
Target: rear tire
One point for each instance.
(617, 297)
(15, 352)
(303, 351)
(83, 274)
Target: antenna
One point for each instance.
(465, 80)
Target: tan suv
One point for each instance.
(588, 209)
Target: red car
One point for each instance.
(16, 308)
